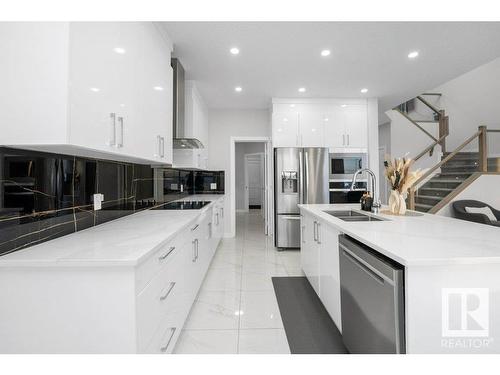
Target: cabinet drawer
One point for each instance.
(162, 299)
(160, 258)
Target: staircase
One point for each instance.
(457, 169)
(453, 173)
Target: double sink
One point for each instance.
(351, 215)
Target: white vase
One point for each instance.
(397, 203)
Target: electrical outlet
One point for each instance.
(97, 199)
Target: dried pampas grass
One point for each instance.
(399, 175)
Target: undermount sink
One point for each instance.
(351, 215)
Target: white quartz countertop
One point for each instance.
(125, 241)
(419, 240)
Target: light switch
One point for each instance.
(97, 199)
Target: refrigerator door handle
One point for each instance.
(301, 178)
(306, 176)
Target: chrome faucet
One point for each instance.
(376, 201)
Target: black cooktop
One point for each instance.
(183, 205)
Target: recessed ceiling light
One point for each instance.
(238, 89)
(292, 105)
(95, 89)
(302, 89)
(119, 50)
(158, 88)
(413, 54)
(325, 119)
(344, 105)
(234, 51)
(325, 52)
(364, 91)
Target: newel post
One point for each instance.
(483, 149)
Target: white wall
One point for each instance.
(484, 189)
(406, 138)
(227, 123)
(242, 149)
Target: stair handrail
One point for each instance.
(416, 124)
(429, 149)
(483, 161)
(437, 110)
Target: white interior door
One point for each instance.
(254, 181)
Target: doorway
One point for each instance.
(251, 181)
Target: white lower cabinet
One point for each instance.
(320, 262)
(109, 307)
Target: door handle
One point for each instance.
(112, 141)
(361, 265)
(120, 140)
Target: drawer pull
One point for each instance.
(195, 227)
(167, 253)
(163, 349)
(164, 297)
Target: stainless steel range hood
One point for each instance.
(180, 140)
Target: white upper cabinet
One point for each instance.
(334, 123)
(312, 129)
(109, 94)
(286, 129)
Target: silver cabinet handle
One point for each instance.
(112, 140)
(209, 230)
(164, 256)
(222, 212)
(197, 249)
(291, 217)
(162, 147)
(120, 140)
(164, 297)
(216, 219)
(343, 139)
(318, 226)
(194, 250)
(163, 349)
(302, 234)
(348, 142)
(315, 230)
(195, 227)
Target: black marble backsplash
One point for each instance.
(44, 196)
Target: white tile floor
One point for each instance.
(236, 310)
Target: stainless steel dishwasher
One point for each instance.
(372, 299)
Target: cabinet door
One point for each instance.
(356, 126)
(153, 136)
(314, 273)
(312, 129)
(285, 129)
(96, 53)
(329, 272)
(308, 249)
(334, 129)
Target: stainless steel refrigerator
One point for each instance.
(301, 176)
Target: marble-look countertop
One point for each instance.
(419, 240)
(126, 241)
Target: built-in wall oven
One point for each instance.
(342, 169)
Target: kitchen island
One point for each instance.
(443, 259)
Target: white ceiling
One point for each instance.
(277, 58)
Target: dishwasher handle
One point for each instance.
(368, 269)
